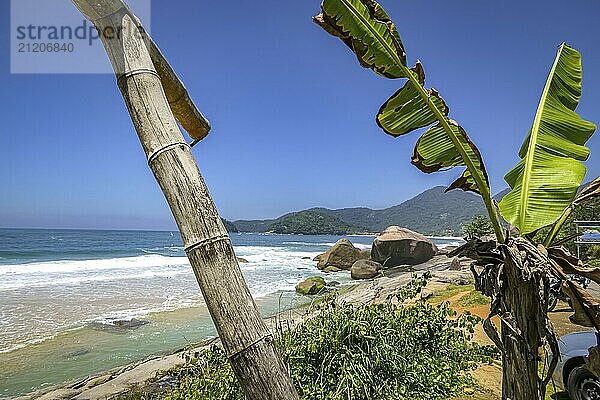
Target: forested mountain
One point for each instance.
(310, 222)
(432, 212)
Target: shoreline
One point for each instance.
(92, 347)
(130, 376)
(84, 351)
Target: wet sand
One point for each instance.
(85, 351)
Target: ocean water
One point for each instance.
(58, 288)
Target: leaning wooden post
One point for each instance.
(245, 337)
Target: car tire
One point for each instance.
(583, 385)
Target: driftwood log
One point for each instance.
(245, 337)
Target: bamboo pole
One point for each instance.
(245, 337)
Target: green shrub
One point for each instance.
(478, 227)
(377, 351)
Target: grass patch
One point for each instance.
(377, 351)
(472, 299)
(450, 291)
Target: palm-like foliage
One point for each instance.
(367, 29)
(550, 172)
(542, 185)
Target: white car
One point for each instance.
(570, 372)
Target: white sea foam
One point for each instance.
(59, 295)
(79, 280)
(62, 266)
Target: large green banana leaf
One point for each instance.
(367, 29)
(546, 179)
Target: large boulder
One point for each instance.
(342, 255)
(312, 285)
(365, 269)
(400, 246)
(365, 254)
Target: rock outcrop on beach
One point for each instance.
(365, 269)
(342, 255)
(365, 254)
(312, 285)
(400, 246)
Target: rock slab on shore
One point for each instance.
(342, 255)
(400, 246)
(365, 269)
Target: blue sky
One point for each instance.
(292, 111)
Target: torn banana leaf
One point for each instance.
(367, 29)
(435, 151)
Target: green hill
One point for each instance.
(312, 223)
(433, 212)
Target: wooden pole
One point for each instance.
(245, 337)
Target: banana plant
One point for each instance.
(366, 28)
(545, 182)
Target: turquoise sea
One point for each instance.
(62, 291)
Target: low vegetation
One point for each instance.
(394, 350)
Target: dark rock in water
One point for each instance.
(306, 258)
(78, 352)
(312, 285)
(333, 283)
(317, 257)
(342, 255)
(398, 246)
(242, 260)
(118, 326)
(365, 269)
